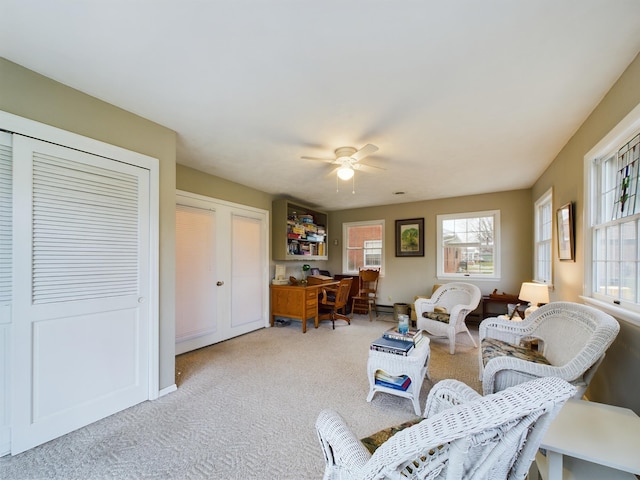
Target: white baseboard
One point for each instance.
(167, 390)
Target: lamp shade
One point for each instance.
(534, 293)
(345, 172)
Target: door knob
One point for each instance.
(220, 284)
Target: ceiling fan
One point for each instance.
(348, 160)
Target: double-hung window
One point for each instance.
(612, 220)
(542, 238)
(469, 245)
(363, 246)
(615, 223)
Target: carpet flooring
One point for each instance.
(244, 409)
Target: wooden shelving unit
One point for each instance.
(299, 232)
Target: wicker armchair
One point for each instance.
(444, 314)
(560, 339)
(463, 436)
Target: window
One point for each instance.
(468, 245)
(542, 238)
(363, 245)
(615, 223)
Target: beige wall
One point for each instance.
(616, 380)
(406, 277)
(194, 181)
(30, 95)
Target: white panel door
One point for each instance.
(196, 295)
(222, 281)
(81, 290)
(247, 278)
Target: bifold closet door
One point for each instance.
(81, 290)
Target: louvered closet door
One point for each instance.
(81, 290)
(6, 200)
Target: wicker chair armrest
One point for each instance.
(459, 313)
(523, 370)
(423, 305)
(340, 446)
(506, 330)
(446, 394)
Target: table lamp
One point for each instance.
(535, 294)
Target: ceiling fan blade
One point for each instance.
(368, 149)
(367, 168)
(327, 160)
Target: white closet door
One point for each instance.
(196, 295)
(82, 290)
(6, 200)
(222, 283)
(247, 278)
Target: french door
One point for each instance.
(221, 270)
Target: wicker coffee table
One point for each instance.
(415, 366)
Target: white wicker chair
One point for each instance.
(463, 436)
(572, 337)
(458, 300)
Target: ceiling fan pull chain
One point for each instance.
(353, 186)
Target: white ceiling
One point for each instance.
(462, 96)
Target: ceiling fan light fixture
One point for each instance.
(345, 172)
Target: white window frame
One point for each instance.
(542, 242)
(616, 138)
(496, 245)
(369, 248)
(345, 244)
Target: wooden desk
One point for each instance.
(296, 301)
(596, 440)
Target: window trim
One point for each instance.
(440, 274)
(345, 257)
(613, 140)
(546, 197)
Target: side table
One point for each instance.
(415, 366)
(589, 440)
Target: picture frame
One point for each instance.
(410, 237)
(315, 271)
(564, 219)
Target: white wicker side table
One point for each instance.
(415, 366)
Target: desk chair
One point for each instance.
(334, 299)
(365, 301)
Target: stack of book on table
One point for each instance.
(411, 336)
(401, 382)
(392, 341)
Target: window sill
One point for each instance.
(617, 312)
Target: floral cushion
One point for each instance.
(492, 348)
(372, 442)
(438, 316)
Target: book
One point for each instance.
(400, 382)
(412, 336)
(391, 345)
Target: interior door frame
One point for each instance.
(48, 133)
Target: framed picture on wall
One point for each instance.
(564, 216)
(410, 237)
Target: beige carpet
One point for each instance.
(244, 409)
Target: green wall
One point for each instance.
(33, 96)
(616, 380)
